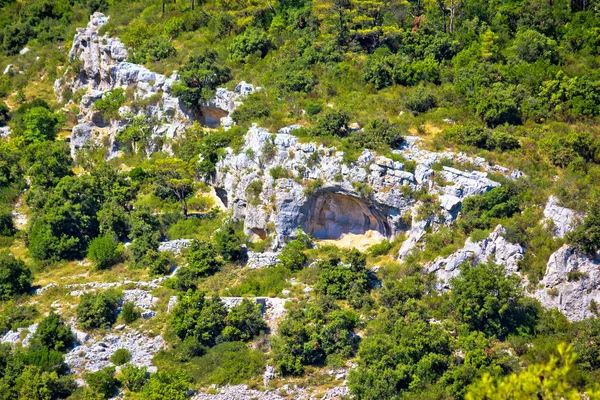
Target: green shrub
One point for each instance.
(104, 251)
(15, 277)
(336, 279)
(110, 103)
(54, 334)
(252, 41)
(134, 377)
(244, 322)
(332, 123)
(293, 256)
(129, 312)
(120, 357)
(103, 382)
(253, 192)
(380, 249)
(228, 242)
(421, 100)
(586, 237)
(97, 310)
(15, 316)
(280, 172)
(202, 259)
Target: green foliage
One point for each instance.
(421, 100)
(38, 124)
(110, 103)
(120, 357)
(129, 312)
(484, 298)
(253, 192)
(251, 42)
(54, 334)
(478, 211)
(199, 78)
(97, 310)
(15, 277)
(166, 386)
(228, 241)
(47, 163)
(103, 382)
(310, 333)
(548, 380)
(244, 321)
(339, 279)
(104, 251)
(280, 172)
(133, 377)
(293, 256)
(15, 316)
(264, 282)
(331, 123)
(198, 317)
(586, 237)
(202, 259)
(378, 134)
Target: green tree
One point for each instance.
(177, 176)
(485, 299)
(104, 251)
(199, 78)
(47, 163)
(545, 381)
(134, 377)
(54, 334)
(252, 41)
(40, 124)
(110, 103)
(120, 356)
(198, 317)
(586, 237)
(167, 386)
(244, 321)
(202, 258)
(15, 277)
(103, 382)
(293, 256)
(97, 310)
(129, 312)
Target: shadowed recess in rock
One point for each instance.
(330, 215)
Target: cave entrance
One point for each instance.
(211, 116)
(331, 215)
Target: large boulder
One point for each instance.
(571, 283)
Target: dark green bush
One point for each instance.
(104, 251)
(54, 334)
(97, 310)
(120, 357)
(15, 277)
(129, 312)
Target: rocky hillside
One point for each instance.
(299, 200)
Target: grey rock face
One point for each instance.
(564, 220)
(95, 355)
(262, 260)
(494, 248)
(338, 206)
(571, 283)
(174, 246)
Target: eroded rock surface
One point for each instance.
(495, 248)
(571, 283)
(564, 220)
(328, 198)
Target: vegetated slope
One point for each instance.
(514, 83)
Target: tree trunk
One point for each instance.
(163, 13)
(184, 207)
(192, 5)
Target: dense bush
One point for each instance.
(338, 279)
(586, 237)
(110, 103)
(133, 377)
(53, 333)
(421, 100)
(129, 312)
(484, 298)
(312, 334)
(199, 78)
(97, 310)
(15, 277)
(332, 123)
(202, 258)
(103, 382)
(120, 357)
(252, 41)
(104, 251)
(293, 256)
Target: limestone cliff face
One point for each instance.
(99, 64)
(318, 192)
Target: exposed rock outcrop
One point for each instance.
(95, 355)
(101, 66)
(328, 198)
(564, 220)
(495, 248)
(571, 283)
(175, 246)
